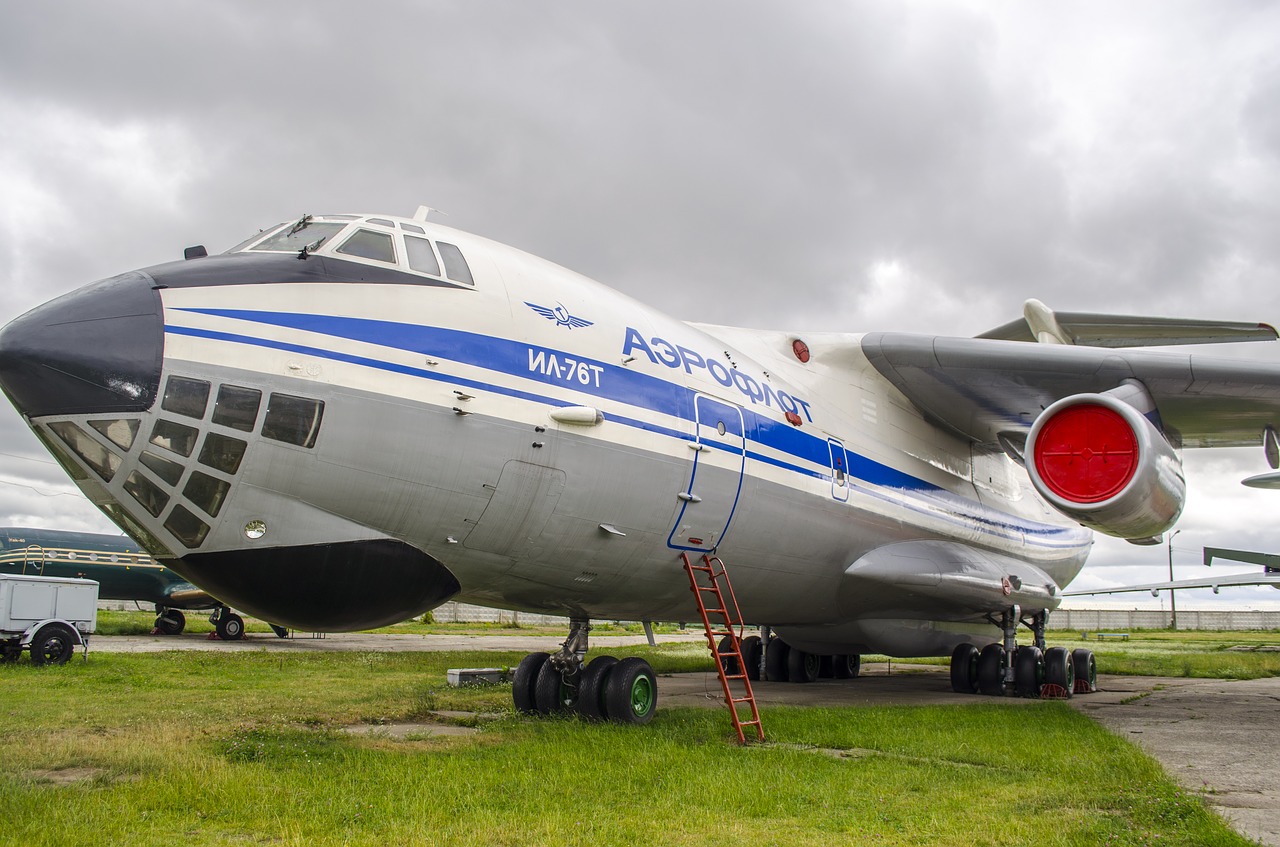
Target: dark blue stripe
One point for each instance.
(616, 383)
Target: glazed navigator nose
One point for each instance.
(97, 349)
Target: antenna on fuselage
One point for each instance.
(423, 211)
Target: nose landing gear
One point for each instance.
(623, 691)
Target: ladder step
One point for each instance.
(716, 569)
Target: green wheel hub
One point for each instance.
(642, 695)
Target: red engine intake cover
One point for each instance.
(1086, 453)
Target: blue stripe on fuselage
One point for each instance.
(616, 383)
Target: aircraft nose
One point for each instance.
(97, 349)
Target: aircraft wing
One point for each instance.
(1226, 580)
(985, 387)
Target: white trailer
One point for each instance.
(48, 616)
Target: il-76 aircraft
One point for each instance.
(349, 419)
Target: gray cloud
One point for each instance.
(849, 166)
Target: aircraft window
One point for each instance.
(412, 228)
(146, 492)
(167, 469)
(421, 257)
(222, 453)
(121, 433)
(290, 239)
(68, 464)
(174, 437)
(186, 527)
(99, 459)
(237, 407)
(130, 524)
(186, 397)
(455, 266)
(368, 244)
(294, 420)
(382, 222)
(206, 492)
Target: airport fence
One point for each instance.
(1122, 620)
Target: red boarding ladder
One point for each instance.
(711, 604)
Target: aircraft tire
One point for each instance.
(1028, 671)
(775, 660)
(991, 670)
(53, 645)
(846, 666)
(1086, 669)
(592, 688)
(523, 679)
(802, 666)
(230, 626)
(750, 650)
(171, 622)
(550, 694)
(728, 662)
(1059, 669)
(631, 692)
(964, 669)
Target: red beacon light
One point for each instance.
(801, 350)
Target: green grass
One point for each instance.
(1160, 652)
(139, 622)
(214, 748)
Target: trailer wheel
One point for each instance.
(53, 645)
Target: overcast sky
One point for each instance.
(850, 166)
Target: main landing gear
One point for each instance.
(1029, 670)
(769, 657)
(623, 691)
(169, 621)
(227, 624)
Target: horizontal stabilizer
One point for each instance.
(1084, 329)
(1271, 561)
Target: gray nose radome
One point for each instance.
(97, 349)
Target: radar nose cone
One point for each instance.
(97, 349)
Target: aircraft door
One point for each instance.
(711, 492)
(839, 470)
(33, 559)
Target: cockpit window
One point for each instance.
(292, 238)
(455, 266)
(421, 257)
(368, 244)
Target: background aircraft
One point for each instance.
(123, 570)
(348, 419)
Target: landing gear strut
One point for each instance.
(606, 689)
(227, 624)
(1029, 670)
(169, 621)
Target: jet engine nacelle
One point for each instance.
(1099, 461)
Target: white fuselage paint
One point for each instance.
(531, 337)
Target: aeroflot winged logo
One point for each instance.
(559, 314)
